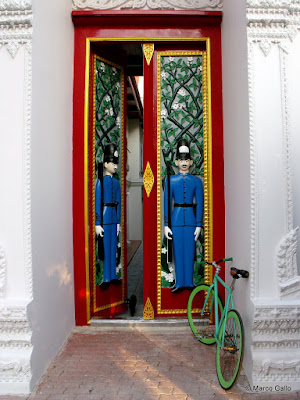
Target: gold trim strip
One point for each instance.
(207, 170)
(158, 89)
(209, 195)
(148, 50)
(148, 39)
(105, 307)
(93, 187)
(86, 107)
(86, 189)
(206, 174)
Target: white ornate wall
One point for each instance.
(260, 49)
(36, 283)
(261, 59)
(15, 204)
(273, 27)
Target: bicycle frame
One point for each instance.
(229, 300)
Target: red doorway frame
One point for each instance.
(140, 26)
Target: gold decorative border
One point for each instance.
(148, 179)
(148, 49)
(142, 39)
(86, 179)
(207, 170)
(148, 312)
(105, 307)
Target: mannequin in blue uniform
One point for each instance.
(110, 228)
(185, 223)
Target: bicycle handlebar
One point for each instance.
(217, 262)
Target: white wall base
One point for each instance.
(16, 349)
(276, 346)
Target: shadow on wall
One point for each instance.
(51, 314)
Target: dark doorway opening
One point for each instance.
(131, 56)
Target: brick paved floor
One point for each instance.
(137, 364)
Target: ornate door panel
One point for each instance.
(107, 119)
(177, 106)
(171, 31)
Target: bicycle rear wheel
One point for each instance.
(230, 355)
(203, 326)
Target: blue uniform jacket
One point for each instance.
(112, 194)
(184, 188)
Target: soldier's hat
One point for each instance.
(183, 150)
(111, 153)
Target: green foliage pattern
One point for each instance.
(108, 128)
(181, 112)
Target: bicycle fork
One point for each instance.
(230, 341)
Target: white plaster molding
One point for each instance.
(264, 30)
(286, 256)
(289, 281)
(282, 365)
(15, 344)
(273, 4)
(253, 176)
(277, 371)
(286, 129)
(15, 371)
(15, 24)
(276, 326)
(15, 332)
(147, 4)
(16, 31)
(13, 47)
(273, 22)
(27, 170)
(15, 5)
(3, 273)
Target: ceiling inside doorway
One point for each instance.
(129, 55)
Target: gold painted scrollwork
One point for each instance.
(148, 49)
(148, 179)
(148, 310)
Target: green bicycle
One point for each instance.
(212, 322)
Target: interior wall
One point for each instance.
(237, 156)
(51, 312)
(134, 182)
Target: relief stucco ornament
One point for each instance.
(147, 4)
(288, 279)
(15, 5)
(3, 271)
(16, 24)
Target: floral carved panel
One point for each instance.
(148, 4)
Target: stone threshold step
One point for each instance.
(99, 324)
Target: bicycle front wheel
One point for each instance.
(230, 351)
(203, 323)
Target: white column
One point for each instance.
(275, 284)
(15, 203)
(36, 252)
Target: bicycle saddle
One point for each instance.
(238, 273)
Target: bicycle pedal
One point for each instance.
(205, 314)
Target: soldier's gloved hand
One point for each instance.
(118, 229)
(168, 233)
(197, 232)
(99, 230)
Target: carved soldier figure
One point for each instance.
(108, 219)
(185, 222)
